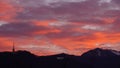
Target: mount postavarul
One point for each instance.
(96, 58)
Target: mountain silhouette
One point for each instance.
(101, 52)
(102, 58)
(96, 58)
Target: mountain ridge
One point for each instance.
(90, 59)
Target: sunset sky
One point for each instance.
(47, 27)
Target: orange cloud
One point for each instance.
(87, 42)
(5, 44)
(8, 11)
(44, 23)
(5, 41)
(109, 20)
(46, 32)
(100, 37)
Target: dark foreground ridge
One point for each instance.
(96, 58)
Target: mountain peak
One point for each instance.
(98, 49)
(62, 55)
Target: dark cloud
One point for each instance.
(116, 26)
(65, 10)
(20, 29)
(64, 34)
(116, 2)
